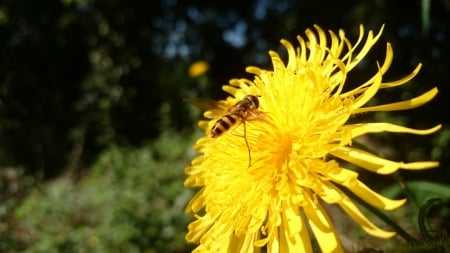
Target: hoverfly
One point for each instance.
(244, 110)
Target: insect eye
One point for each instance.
(254, 100)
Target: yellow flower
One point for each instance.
(198, 68)
(294, 151)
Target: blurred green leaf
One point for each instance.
(421, 190)
(132, 200)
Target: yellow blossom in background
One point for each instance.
(198, 68)
(294, 150)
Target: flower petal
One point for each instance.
(322, 227)
(349, 179)
(352, 210)
(293, 233)
(375, 199)
(368, 93)
(377, 164)
(196, 203)
(361, 129)
(243, 244)
(402, 80)
(370, 41)
(273, 245)
(217, 238)
(336, 46)
(403, 105)
(382, 70)
(199, 227)
(292, 60)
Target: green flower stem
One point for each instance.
(405, 189)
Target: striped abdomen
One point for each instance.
(224, 124)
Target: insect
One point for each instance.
(244, 110)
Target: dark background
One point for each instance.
(76, 76)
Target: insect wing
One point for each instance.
(213, 109)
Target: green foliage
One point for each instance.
(132, 200)
(419, 191)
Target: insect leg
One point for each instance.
(248, 146)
